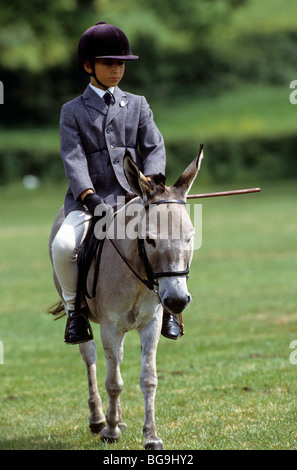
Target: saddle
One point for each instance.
(90, 249)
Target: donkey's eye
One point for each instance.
(190, 237)
(151, 241)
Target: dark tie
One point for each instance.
(107, 98)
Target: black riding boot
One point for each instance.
(171, 327)
(78, 328)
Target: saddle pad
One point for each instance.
(90, 249)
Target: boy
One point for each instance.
(96, 129)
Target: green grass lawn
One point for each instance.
(227, 384)
(245, 112)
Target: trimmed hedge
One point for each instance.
(15, 164)
(225, 160)
(235, 160)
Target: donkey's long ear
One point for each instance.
(185, 181)
(137, 181)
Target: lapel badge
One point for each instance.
(122, 104)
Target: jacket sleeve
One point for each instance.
(151, 143)
(73, 154)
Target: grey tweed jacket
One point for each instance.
(94, 138)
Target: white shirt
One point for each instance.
(100, 92)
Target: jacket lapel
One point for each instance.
(94, 101)
(119, 104)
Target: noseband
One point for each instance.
(152, 278)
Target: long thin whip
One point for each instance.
(224, 193)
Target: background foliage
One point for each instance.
(215, 72)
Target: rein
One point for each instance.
(152, 278)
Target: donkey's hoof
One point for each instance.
(96, 428)
(153, 444)
(110, 435)
(109, 440)
(122, 426)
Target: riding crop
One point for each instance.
(224, 193)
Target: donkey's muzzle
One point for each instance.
(176, 305)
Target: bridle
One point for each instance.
(152, 277)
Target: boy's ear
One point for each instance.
(87, 66)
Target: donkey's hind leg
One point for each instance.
(97, 418)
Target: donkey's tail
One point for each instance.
(57, 310)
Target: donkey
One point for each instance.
(132, 290)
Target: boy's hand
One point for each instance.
(92, 200)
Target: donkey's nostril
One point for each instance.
(176, 305)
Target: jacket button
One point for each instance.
(109, 130)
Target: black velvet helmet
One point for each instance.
(104, 41)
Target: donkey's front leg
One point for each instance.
(148, 382)
(97, 418)
(113, 349)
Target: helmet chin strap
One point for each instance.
(93, 74)
(98, 81)
(101, 85)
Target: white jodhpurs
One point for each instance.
(65, 247)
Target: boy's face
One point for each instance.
(108, 71)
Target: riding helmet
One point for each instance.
(104, 41)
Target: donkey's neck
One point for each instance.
(123, 233)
